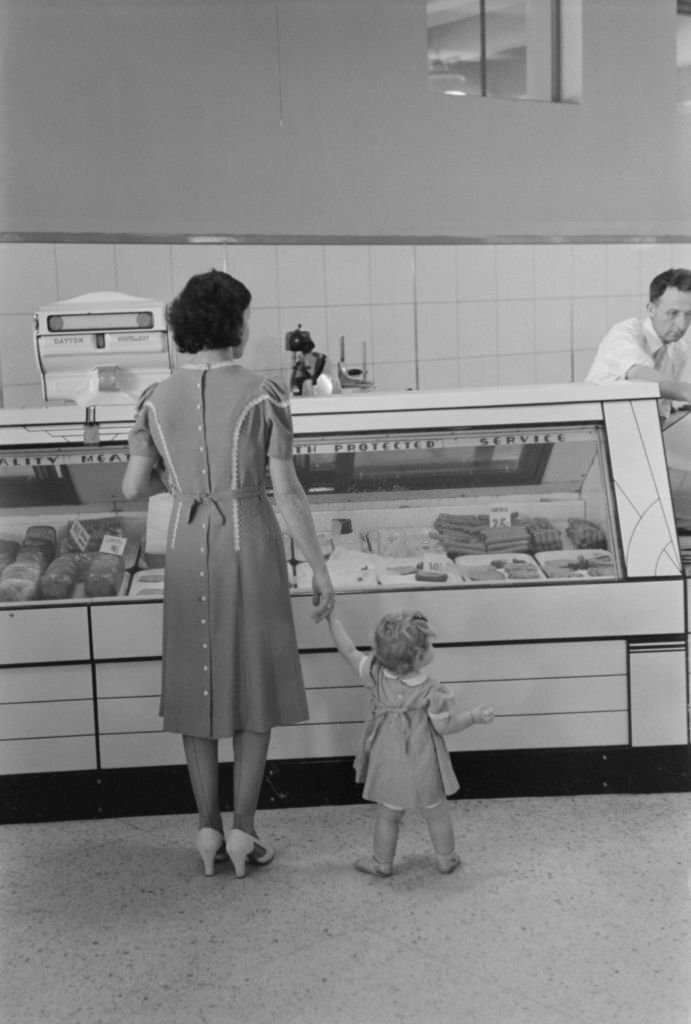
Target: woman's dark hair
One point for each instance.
(676, 277)
(208, 312)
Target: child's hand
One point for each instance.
(482, 714)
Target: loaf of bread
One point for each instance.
(38, 553)
(104, 575)
(60, 578)
(45, 539)
(41, 533)
(19, 581)
(82, 561)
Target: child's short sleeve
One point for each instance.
(140, 441)
(441, 703)
(280, 421)
(365, 670)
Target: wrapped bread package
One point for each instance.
(104, 575)
(60, 578)
(41, 533)
(20, 581)
(40, 553)
(43, 539)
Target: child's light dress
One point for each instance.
(403, 762)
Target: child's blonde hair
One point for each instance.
(399, 638)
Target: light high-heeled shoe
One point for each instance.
(211, 849)
(243, 848)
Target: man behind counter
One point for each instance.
(652, 349)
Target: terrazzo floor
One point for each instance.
(570, 910)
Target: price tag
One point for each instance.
(433, 562)
(113, 544)
(79, 535)
(500, 515)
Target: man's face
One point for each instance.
(671, 314)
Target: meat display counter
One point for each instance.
(534, 526)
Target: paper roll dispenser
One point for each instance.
(101, 348)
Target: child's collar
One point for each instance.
(410, 679)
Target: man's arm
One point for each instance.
(676, 390)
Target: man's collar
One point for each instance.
(651, 336)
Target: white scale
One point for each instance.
(101, 348)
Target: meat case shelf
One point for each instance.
(534, 526)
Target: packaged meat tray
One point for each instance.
(583, 564)
(429, 571)
(508, 567)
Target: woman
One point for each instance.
(230, 659)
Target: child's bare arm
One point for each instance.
(457, 721)
(343, 642)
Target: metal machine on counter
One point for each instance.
(101, 348)
(312, 372)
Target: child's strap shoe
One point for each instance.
(372, 866)
(448, 862)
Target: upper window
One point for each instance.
(505, 49)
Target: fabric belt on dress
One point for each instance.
(212, 501)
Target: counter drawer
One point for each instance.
(117, 679)
(138, 750)
(21, 684)
(29, 635)
(47, 718)
(132, 631)
(48, 754)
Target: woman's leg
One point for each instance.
(250, 750)
(202, 764)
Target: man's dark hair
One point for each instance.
(675, 277)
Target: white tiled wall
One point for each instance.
(423, 316)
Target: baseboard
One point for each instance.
(129, 792)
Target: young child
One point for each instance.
(403, 759)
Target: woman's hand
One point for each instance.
(323, 597)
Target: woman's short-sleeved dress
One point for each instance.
(230, 658)
(403, 762)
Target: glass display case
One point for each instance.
(454, 507)
(428, 505)
(459, 506)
